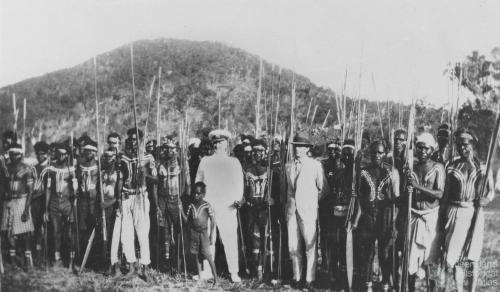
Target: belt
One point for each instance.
(462, 204)
(420, 213)
(16, 196)
(340, 210)
(133, 191)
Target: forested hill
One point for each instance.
(193, 74)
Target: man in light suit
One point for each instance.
(305, 187)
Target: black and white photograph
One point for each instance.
(250, 145)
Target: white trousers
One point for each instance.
(227, 224)
(302, 235)
(135, 217)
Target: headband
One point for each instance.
(62, 150)
(348, 146)
(16, 150)
(465, 135)
(90, 147)
(258, 147)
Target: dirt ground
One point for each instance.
(60, 279)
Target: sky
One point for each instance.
(391, 49)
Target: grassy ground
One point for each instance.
(58, 279)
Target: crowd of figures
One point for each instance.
(273, 218)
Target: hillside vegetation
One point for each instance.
(194, 76)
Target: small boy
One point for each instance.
(197, 216)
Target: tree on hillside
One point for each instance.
(480, 75)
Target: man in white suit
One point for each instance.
(223, 177)
(305, 186)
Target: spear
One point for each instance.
(74, 206)
(182, 182)
(257, 106)
(272, 102)
(23, 139)
(343, 108)
(393, 210)
(409, 167)
(103, 211)
(309, 109)
(277, 102)
(158, 96)
(358, 130)
(15, 111)
(157, 158)
(265, 113)
(147, 116)
(326, 118)
(378, 107)
(399, 116)
(292, 120)
(337, 107)
(139, 162)
(219, 99)
(268, 227)
(389, 117)
(314, 115)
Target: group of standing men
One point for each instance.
(276, 207)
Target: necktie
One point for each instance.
(297, 166)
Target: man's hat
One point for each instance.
(259, 144)
(16, 148)
(219, 135)
(41, 147)
(90, 145)
(301, 139)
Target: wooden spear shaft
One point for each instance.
(257, 105)
(158, 96)
(103, 211)
(149, 108)
(314, 114)
(15, 112)
(326, 119)
(23, 139)
(277, 102)
(309, 110)
(139, 160)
